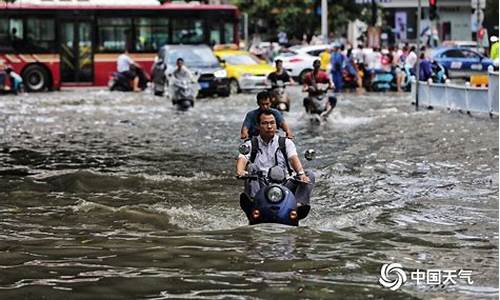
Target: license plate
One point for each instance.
(204, 85)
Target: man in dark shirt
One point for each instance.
(277, 79)
(279, 75)
(250, 127)
(425, 68)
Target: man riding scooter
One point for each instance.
(278, 80)
(312, 85)
(268, 150)
(130, 70)
(184, 85)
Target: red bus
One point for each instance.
(71, 45)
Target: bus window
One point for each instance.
(4, 35)
(187, 31)
(228, 33)
(11, 35)
(114, 34)
(150, 33)
(214, 32)
(40, 35)
(16, 29)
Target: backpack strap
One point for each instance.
(255, 148)
(282, 148)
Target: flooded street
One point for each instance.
(109, 195)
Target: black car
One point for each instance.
(198, 58)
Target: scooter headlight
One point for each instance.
(274, 194)
(220, 73)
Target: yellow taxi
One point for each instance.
(244, 70)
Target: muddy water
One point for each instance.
(118, 196)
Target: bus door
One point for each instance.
(77, 64)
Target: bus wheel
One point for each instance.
(35, 78)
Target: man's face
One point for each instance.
(267, 125)
(179, 63)
(265, 104)
(279, 66)
(316, 65)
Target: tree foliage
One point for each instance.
(491, 16)
(296, 17)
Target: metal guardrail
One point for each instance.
(493, 91)
(460, 97)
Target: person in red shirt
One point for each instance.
(310, 86)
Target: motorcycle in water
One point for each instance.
(274, 202)
(10, 84)
(280, 99)
(159, 77)
(351, 75)
(381, 80)
(118, 81)
(183, 92)
(439, 74)
(317, 104)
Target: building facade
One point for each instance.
(453, 20)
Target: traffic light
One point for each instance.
(432, 9)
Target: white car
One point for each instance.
(298, 60)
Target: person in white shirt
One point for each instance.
(269, 155)
(411, 59)
(358, 55)
(16, 81)
(127, 66)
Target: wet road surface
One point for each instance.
(108, 195)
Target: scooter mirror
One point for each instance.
(310, 154)
(244, 149)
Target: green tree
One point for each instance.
(297, 17)
(491, 17)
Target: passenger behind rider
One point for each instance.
(310, 86)
(250, 126)
(279, 75)
(127, 66)
(181, 71)
(269, 155)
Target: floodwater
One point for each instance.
(109, 195)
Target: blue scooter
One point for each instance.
(274, 202)
(382, 80)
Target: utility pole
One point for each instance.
(477, 20)
(324, 20)
(419, 13)
(245, 31)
